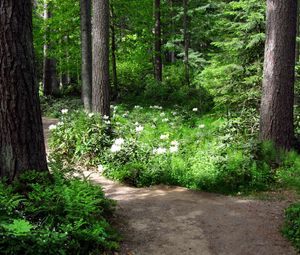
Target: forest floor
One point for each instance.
(164, 220)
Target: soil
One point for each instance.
(165, 220)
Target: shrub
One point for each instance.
(292, 225)
(55, 215)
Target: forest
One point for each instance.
(149, 127)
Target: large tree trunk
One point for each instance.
(86, 52)
(186, 41)
(21, 134)
(113, 53)
(157, 44)
(50, 82)
(276, 122)
(100, 91)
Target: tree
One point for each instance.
(100, 28)
(21, 134)
(157, 44)
(113, 51)
(50, 82)
(276, 119)
(186, 41)
(86, 52)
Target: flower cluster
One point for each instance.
(117, 145)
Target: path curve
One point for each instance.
(164, 220)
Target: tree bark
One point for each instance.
(50, 82)
(172, 53)
(113, 53)
(157, 44)
(276, 121)
(186, 39)
(21, 134)
(100, 28)
(86, 53)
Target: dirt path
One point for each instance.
(175, 221)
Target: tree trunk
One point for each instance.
(100, 91)
(186, 41)
(113, 53)
(86, 52)
(276, 121)
(157, 39)
(50, 81)
(172, 53)
(21, 134)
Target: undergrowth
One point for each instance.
(43, 214)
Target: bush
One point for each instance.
(151, 145)
(292, 225)
(56, 215)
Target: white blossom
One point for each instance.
(159, 150)
(119, 141)
(105, 117)
(115, 148)
(175, 143)
(91, 115)
(173, 149)
(139, 128)
(162, 114)
(202, 126)
(51, 127)
(164, 137)
(165, 120)
(100, 168)
(64, 111)
(174, 113)
(107, 122)
(195, 109)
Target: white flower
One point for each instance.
(162, 114)
(100, 168)
(173, 149)
(138, 107)
(139, 128)
(136, 124)
(159, 150)
(107, 122)
(164, 137)
(91, 115)
(119, 141)
(105, 117)
(155, 119)
(175, 143)
(174, 113)
(202, 126)
(195, 109)
(60, 123)
(115, 148)
(51, 127)
(64, 111)
(165, 120)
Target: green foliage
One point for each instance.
(292, 225)
(52, 107)
(150, 145)
(59, 215)
(235, 70)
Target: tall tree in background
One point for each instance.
(157, 41)
(100, 30)
(86, 52)
(113, 51)
(186, 39)
(21, 134)
(50, 82)
(276, 121)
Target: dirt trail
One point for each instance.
(175, 221)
